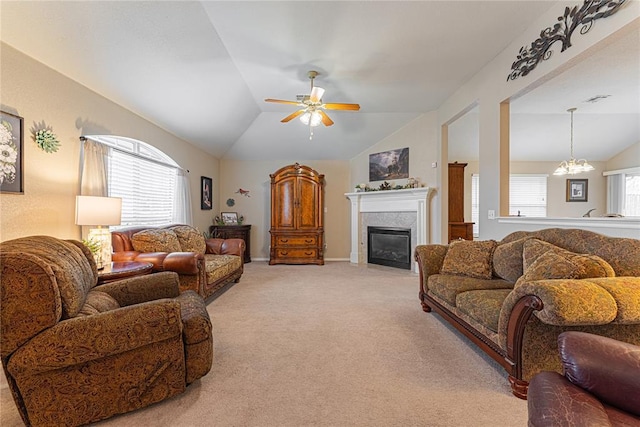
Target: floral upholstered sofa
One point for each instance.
(514, 297)
(204, 265)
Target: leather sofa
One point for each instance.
(74, 353)
(514, 297)
(204, 265)
(600, 385)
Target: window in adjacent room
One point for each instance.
(623, 192)
(527, 197)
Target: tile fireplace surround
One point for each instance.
(408, 208)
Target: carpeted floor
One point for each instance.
(333, 345)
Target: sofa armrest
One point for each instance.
(124, 256)
(82, 339)
(607, 368)
(565, 302)
(226, 247)
(184, 262)
(139, 289)
(554, 401)
(430, 259)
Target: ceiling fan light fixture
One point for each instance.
(573, 166)
(311, 118)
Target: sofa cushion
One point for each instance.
(483, 305)
(190, 239)
(507, 259)
(219, 266)
(546, 261)
(156, 240)
(470, 258)
(448, 287)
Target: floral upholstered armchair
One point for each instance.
(74, 353)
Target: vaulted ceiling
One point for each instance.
(201, 69)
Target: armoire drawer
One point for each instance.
(296, 240)
(297, 252)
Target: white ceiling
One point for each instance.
(201, 70)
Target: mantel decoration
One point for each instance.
(529, 58)
(44, 137)
(11, 153)
(573, 166)
(385, 186)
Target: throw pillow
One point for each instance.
(469, 258)
(190, 239)
(594, 265)
(558, 263)
(155, 240)
(507, 259)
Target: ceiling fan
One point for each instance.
(312, 111)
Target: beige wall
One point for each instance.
(256, 209)
(629, 158)
(37, 93)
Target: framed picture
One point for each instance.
(229, 218)
(11, 153)
(393, 164)
(577, 190)
(206, 196)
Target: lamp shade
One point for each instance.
(95, 210)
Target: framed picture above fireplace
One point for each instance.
(387, 165)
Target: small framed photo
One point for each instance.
(11, 153)
(229, 218)
(577, 190)
(206, 193)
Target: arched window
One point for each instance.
(151, 184)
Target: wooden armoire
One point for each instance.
(297, 217)
(458, 229)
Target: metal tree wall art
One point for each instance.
(529, 58)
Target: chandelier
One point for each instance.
(573, 166)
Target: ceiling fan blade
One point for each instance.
(316, 94)
(325, 119)
(292, 116)
(340, 106)
(281, 101)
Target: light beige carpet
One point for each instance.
(332, 345)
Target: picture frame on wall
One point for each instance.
(388, 165)
(206, 193)
(577, 190)
(11, 153)
(229, 218)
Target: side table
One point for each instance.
(234, 232)
(122, 270)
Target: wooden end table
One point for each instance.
(122, 270)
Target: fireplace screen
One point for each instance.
(389, 246)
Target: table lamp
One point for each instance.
(99, 211)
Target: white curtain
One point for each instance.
(93, 179)
(182, 208)
(615, 193)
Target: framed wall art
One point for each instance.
(206, 193)
(577, 190)
(11, 153)
(387, 165)
(229, 218)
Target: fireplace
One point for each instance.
(390, 246)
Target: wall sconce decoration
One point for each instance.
(99, 211)
(45, 138)
(529, 58)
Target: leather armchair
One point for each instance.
(74, 353)
(600, 385)
(204, 267)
